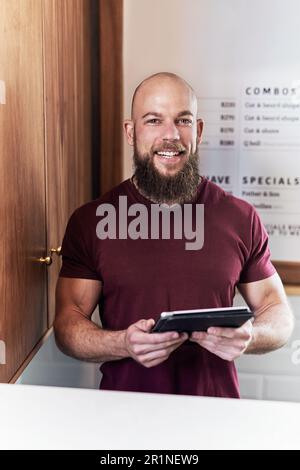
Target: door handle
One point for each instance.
(47, 260)
(57, 251)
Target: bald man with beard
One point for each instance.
(134, 280)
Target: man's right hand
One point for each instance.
(150, 349)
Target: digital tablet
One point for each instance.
(202, 319)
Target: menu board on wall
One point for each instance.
(251, 148)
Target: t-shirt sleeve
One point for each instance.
(77, 253)
(258, 265)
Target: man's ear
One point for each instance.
(200, 124)
(129, 131)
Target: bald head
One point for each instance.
(158, 83)
(164, 119)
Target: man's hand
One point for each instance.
(150, 349)
(227, 343)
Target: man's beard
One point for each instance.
(179, 188)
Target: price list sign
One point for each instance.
(251, 148)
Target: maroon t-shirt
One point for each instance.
(142, 278)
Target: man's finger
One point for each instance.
(144, 348)
(225, 332)
(241, 332)
(155, 338)
(145, 325)
(162, 352)
(158, 354)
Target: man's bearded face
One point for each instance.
(179, 187)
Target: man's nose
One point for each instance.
(170, 131)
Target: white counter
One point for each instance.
(35, 417)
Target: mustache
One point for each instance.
(170, 147)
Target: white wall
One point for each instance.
(213, 44)
(51, 367)
(276, 375)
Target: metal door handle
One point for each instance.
(47, 260)
(57, 251)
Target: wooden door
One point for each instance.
(48, 49)
(23, 314)
(111, 93)
(67, 65)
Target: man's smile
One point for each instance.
(170, 156)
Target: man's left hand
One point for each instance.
(227, 343)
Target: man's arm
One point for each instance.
(274, 322)
(271, 329)
(77, 336)
(75, 333)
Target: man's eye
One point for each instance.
(153, 121)
(184, 121)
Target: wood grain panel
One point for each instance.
(111, 95)
(67, 64)
(23, 317)
(289, 271)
